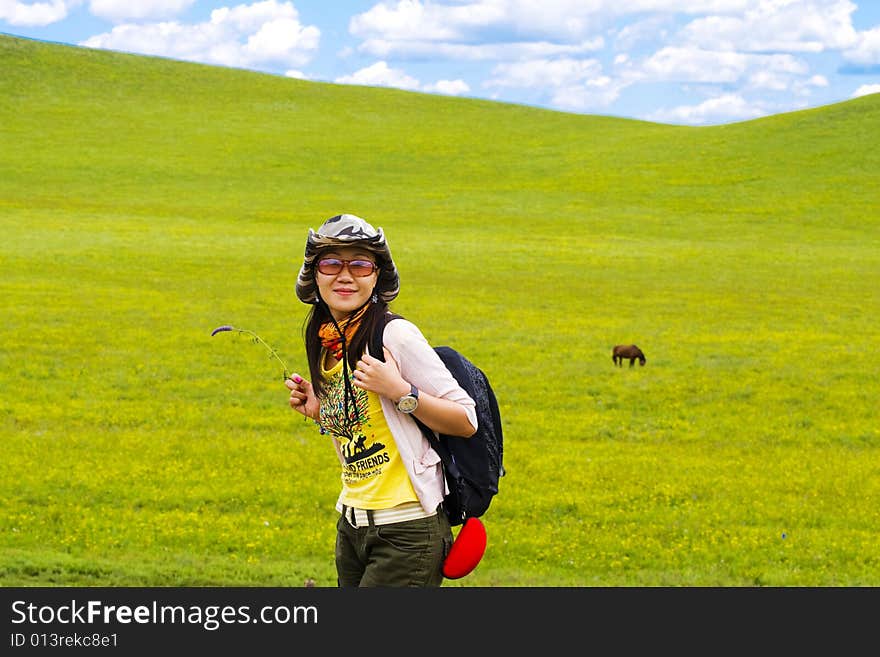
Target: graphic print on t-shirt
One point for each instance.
(373, 473)
(363, 453)
(342, 422)
(354, 450)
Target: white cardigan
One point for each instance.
(421, 366)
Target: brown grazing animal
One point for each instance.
(622, 352)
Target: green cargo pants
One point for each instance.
(409, 553)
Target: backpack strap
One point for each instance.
(376, 349)
(376, 340)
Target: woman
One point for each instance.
(391, 530)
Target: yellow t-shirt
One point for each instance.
(373, 475)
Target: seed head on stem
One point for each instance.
(256, 338)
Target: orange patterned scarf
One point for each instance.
(331, 340)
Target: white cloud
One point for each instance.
(293, 73)
(280, 39)
(406, 48)
(804, 87)
(866, 50)
(680, 6)
(695, 65)
(572, 84)
(866, 89)
(544, 72)
(728, 107)
(380, 75)
(466, 20)
(592, 94)
(448, 87)
(778, 73)
(648, 30)
(407, 20)
(777, 26)
(674, 64)
(770, 80)
(242, 36)
(549, 48)
(480, 29)
(35, 13)
(120, 10)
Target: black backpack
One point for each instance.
(472, 466)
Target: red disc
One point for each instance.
(466, 550)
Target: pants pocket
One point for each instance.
(410, 536)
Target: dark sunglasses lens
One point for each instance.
(329, 266)
(361, 267)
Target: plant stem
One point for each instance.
(265, 344)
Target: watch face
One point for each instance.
(407, 404)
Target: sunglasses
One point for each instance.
(359, 268)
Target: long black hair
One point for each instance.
(372, 321)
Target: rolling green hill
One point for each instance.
(145, 201)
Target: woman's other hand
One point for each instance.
(302, 396)
(383, 378)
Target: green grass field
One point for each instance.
(144, 202)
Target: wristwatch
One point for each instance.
(409, 402)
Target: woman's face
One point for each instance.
(347, 284)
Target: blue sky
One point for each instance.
(700, 62)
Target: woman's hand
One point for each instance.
(442, 415)
(382, 378)
(302, 396)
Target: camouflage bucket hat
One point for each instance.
(347, 230)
